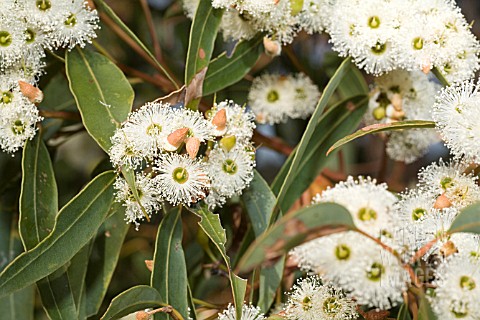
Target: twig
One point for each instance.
(383, 245)
(156, 80)
(65, 115)
(273, 143)
(56, 56)
(167, 309)
(293, 58)
(341, 162)
(151, 27)
(172, 84)
(423, 250)
(382, 172)
(334, 176)
(407, 267)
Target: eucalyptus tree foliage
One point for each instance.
(136, 181)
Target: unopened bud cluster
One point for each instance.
(181, 156)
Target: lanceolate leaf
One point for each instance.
(338, 121)
(38, 209)
(353, 83)
(425, 311)
(259, 202)
(202, 38)
(39, 198)
(403, 313)
(468, 220)
(376, 128)
(104, 257)
(77, 271)
(270, 280)
(18, 305)
(56, 294)
(224, 70)
(75, 225)
(134, 299)
(294, 229)
(211, 225)
(288, 184)
(103, 94)
(169, 274)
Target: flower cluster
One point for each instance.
(18, 113)
(456, 116)
(457, 288)
(275, 98)
(311, 300)
(27, 29)
(280, 19)
(249, 312)
(385, 35)
(379, 35)
(182, 157)
(403, 95)
(413, 227)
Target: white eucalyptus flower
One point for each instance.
(181, 180)
(458, 289)
(275, 98)
(230, 171)
(147, 128)
(451, 182)
(311, 300)
(456, 116)
(17, 122)
(77, 26)
(148, 196)
(369, 203)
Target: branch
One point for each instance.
(65, 115)
(172, 84)
(273, 143)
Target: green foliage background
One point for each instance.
(56, 199)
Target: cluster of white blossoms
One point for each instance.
(416, 225)
(249, 312)
(308, 299)
(456, 116)
(398, 96)
(426, 213)
(312, 300)
(182, 157)
(382, 36)
(280, 19)
(358, 265)
(18, 113)
(27, 29)
(274, 98)
(457, 290)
